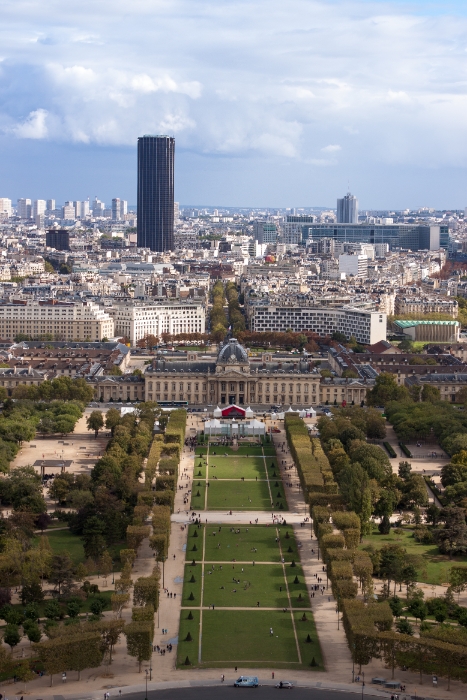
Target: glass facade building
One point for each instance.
(409, 236)
(156, 156)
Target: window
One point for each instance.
(223, 386)
(232, 387)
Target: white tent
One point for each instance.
(217, 412)
(249, 413)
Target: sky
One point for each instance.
(272, 103)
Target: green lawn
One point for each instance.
(185, 648)
(190, 587)
(236, 467)
(228, 640)
(437, 566)
(240, 542)
(197, 495)
(244, 585)
(239, 495)
(64, 541)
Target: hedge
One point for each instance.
(405, 450)
(344, 589)
(340, 570)
(389, 449)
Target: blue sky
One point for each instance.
(272, 103)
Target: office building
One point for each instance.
(23, 208)
(368, 327)
(296, 228)
(408, 236)
(98, 208)
(123, 208)
(265, 232)
(354, 265)
(156, 155)
(58, 239)
(5, 206)
(136, 320)
(116, 213)
(61, 320)
(347, 210)
(176, 212)
(39, 207)
(50, 204)
(69, 211)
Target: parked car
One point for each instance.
(285, 685)
(246, 682)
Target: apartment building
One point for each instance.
(136, 320)
(367, 327)
(422, 306)
(61, 320)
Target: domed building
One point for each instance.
(233, 377)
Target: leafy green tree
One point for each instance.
(431, 394)
(61, 573)
(386, 389)
(95, 421)
(405, 469)
(396, 606)
(33, 633)
(417, 608)
(97, 605)
(94, 537)
(11, 636)
(112, 419)
(404, 627)
(139, 641)
(52, 610)
(452, 539)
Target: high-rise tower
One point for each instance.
(347, 210)
(156, 155)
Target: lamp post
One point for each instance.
(353, 662)
(113, 572)
(146, 698)
(150, 670)
(363, 682)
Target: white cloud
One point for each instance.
(33, 127)
(241, 78)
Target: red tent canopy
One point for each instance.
(233, 411)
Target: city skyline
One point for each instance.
(269, 108)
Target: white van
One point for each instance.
(246, 682)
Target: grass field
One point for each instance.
(243, 495)
(230, 570)
(64, 541)
(437, 566)
(240, 543)
(228, 640)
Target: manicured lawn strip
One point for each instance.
(269, 450)
(189, 587)
(437, 566)
(193, 541)
(261, 582)
(242, 450)
(236, 467)
(278, 494)
(201, 450)
(239, 546)
(295, 589)
(238, 495)
(197, 501)
(199, 471)
(185, 648)
(243, 638)
(308, 650)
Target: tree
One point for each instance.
(458, 579)
(11, 636)
(452, 538)
(33, 633)
(97, 606)
(43, 521)
(115, 371)
(404, 627)
(94, 537)
(139, 641)
(52, 610)
(118, 602)
(61, 571)
(386, 389)
(95, 421)
(431, 394)
(112, 419)
(417, 608)
(105, 565)
(110, 633)
(405, 469)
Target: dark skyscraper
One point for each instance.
(347, 210)
(156, 156)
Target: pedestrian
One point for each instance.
(271, 632)
(222, 678)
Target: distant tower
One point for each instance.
(156, 155)
(347, 210)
